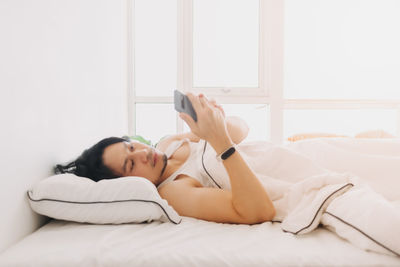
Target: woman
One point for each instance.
(247, 202)
(255, 183)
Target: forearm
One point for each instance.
(249, 197)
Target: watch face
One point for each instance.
(228, 153)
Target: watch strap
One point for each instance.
(226, 154)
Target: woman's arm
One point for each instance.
(237, 129)
(248, 197)
(187, 196)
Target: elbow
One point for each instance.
(255, 214)
(272, 213)
(265, 216)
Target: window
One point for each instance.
(155, 120)
(225, 43)
(342, 49)
(346, 122)
(315, 65)
(155, 47)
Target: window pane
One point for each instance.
(155, 47)
(255, 115)
(342, 49)
(225, 43)
(153, 121)
(341, 122)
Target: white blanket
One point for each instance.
(307, 193)
(367, 219)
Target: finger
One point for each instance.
(203, 100)
(195, 102)
(213, 102)
(188, 119)
(202, 95)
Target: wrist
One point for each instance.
(226, 154)
(222, 145)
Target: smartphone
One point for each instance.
(183, 104)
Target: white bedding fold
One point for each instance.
(366, 219)
(302, 186)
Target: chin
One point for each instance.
(156, 183)
(152, 181)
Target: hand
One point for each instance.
(210, 125)
(215, 104)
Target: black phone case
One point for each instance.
(183, 104)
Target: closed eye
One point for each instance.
(131, 148)
(125, 166)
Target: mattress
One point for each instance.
(193, 242)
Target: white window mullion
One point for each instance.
(273, 12)
(263, 50)
(188, 44)
(185, 67)
(340, 104)
(180, 45)
(185, 39)
(131, 67)
(181, 56)
(398, 121)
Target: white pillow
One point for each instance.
(114, 201)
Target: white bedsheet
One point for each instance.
(191, 243)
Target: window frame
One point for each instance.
(271, 60)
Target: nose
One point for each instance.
(141, 154)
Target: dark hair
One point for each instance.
(90, 163)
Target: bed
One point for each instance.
(195, 242)
(191, 243)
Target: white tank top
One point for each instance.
(197, 164)
(262, 157)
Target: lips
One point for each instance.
(154, 158)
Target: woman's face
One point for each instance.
(135, 159)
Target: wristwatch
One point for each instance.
(226, 154)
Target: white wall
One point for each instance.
(63, 87)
